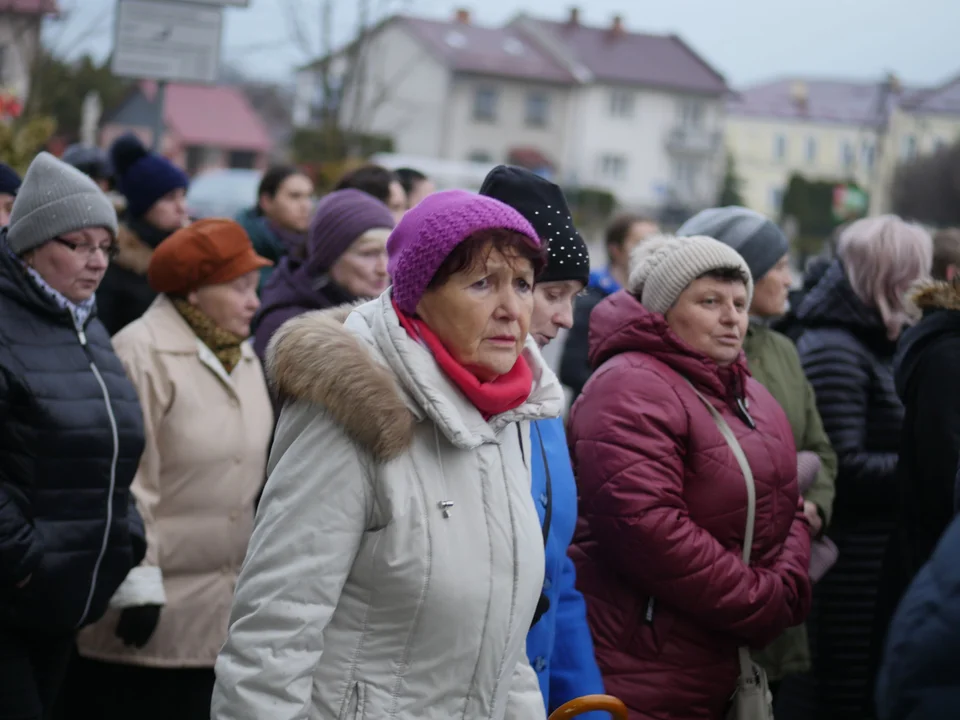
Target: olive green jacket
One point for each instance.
(774, 362)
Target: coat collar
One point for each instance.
(378, 382)
(172, 335)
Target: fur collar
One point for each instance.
(306, 360)
(937, 295)
(134, 253)
(362, 367)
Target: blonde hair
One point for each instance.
(882, 257)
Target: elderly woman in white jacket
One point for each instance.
(397, 558)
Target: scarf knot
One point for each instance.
(225, 345)
(503, 393)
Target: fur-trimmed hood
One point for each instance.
(134, 253)
(940, 303)
(937, 295)
(377, 382)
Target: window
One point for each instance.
(485, 104)
(196, 158)
(810, 150)
(242, 159)
(613, 167)
(867, 154)
(538, 108)
(908, 147)
(779, 147)
(685, 173)
(621, 103)
(480, 156)
(776, 199)
(691, 113)
(848, 156)
(3, 64)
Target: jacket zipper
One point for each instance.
(113, 475)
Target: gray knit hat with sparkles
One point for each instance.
(56, 199)
(662, 267)
(756, 238)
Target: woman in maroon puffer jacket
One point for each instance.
(663, 502)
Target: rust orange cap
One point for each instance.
(208, 252)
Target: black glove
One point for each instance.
(137, 624)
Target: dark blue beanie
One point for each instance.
(143, 177)
(9, 180)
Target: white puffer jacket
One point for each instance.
(359, 598)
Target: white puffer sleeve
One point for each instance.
(309, 526)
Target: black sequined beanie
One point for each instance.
(542, 203)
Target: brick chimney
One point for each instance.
(574, 18)
(617, 29)
(462, 16)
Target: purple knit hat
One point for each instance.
(429, 232)
(340, 218)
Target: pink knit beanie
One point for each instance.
(429, 232)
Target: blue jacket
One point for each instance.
(559, 646)
(918, 679)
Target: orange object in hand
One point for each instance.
(591, 703)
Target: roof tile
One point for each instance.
(501, 52)
(212, 115)
(641, 59)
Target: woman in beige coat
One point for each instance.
(208, 424)
(397, 558)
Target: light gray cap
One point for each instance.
(662, 267)
(55, 199)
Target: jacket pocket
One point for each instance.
(354, 703)
(652, 628)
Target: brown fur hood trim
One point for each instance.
(937, 295)
(314, 357)
(134, 253)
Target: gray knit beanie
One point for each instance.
(756, 238)
(662, 267)
(55, 199)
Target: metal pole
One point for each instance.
(158, 125)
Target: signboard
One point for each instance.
(162, 40)
(849, 203)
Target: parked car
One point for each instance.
(222, 193)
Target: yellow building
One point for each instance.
(835, 130)
(919, 124)
(823, 129)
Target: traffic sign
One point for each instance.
(163, 40)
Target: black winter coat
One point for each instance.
(848, 360)
(124, 295)
(928, 382)
(71, 439)
(918, 679)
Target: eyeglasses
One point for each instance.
(110, 251)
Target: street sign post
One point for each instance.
(168, 42)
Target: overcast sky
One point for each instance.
(747, 40)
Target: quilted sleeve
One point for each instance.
(20, 545)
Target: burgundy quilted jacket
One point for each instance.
(663, 512)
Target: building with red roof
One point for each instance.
(634, 113)
(205, 126)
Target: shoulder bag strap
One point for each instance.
(744, 468)
(747, 671)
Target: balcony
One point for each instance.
(685, 140)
